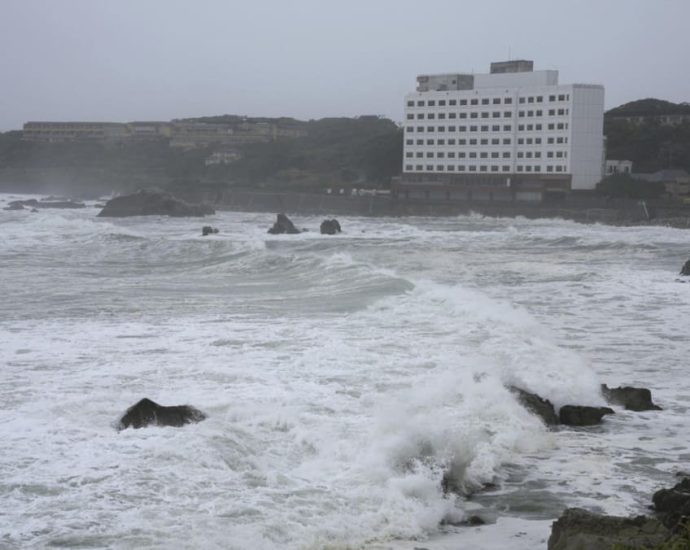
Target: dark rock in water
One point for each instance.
(153, 203)
(147, 413)
(330, 227)
(14, 206)
(633, 399)
(18, 205)
(575, 415)
(208, 230)
(283, 225)
(685, 269)
(578, 529)
(673, 504)
(537, 405)
(60, 204)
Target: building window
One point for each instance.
(559, 168)
(451, 168)
(552, 112)
(431, 116)
(520, 154)
(473, 142)
(497, 101)
(530, 113)
(528, 154)
(528, 168)
(507, 114)
(462, 142)
(549, 154)
(506, 141)
(538, 112)
(521, 114)
(408, 155)
(429, 141)
(420, 116)
(474, 115)
(530, 127)
(441, 142)
(420, 142)
(410, 103)
(485, 115)
(409, 129)
(528, 141)
(530, 99)
(483, 155)
(451, 154)
(473, 128)
(452, 102)
(419, 167)
(461, 167)
(549, 168)
(463, 102)
(461, 155)
(410, 117)
(519, 168)
(507, 128)
(507, 100)
(408, 167)
(550, 141)
(521, 141)
(420, 104)
(496, 114)
(430, 155)
(494, 154)
(439, 167)
(521, 100)
(537, 127)
(462, 128)
(451, 141)
(441, 129)
(452, 115)
(408, 142)
(495, 128)
(472, 167)
(551, 126)
(495, 141)
(559, 140)
(561, 112)
(537, 154)
(559, 154)
(483, 168)
(537, 168)
(521, 127)
(561, 97)
(552, 98)
(442, 115)
(429, 128)
(537, 141)
(539, 99)
(420, 128)
(431, 103)
(463, 115)
(474, 102)
(485, 128)
(485, 101)
(560, 126)
(506, 154)
(442, 103)
(420, 155)
(505, 168)
(473, 155)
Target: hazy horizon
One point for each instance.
(161, 60)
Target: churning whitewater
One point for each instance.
(343, 377)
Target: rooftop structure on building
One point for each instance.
(511, 134)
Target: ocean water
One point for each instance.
(342, 377)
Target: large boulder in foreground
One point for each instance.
(330, 227)
(578, 529)
(576, 415)
(673, 504)
(543, 408)
(633, 399)
(150, 413)
(283, 225)
(152, 203)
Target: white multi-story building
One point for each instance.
(512, 133)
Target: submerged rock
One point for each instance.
(576, 415)
(330, 227)
(633, 399)
(208, 230)
(578, 529)
(44, 203)
(685, 270)
(14, 206)
(148, 413)
(282, 225)
(152, 203)
(543, 408)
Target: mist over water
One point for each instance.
(342, 376)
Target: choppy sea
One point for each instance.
(342, 376)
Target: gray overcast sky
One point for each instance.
(123, 60)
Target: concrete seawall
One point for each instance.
(586, 210)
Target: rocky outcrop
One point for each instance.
(330, 227)
(576, 415)
(152, 203)
(14, 206)
(673, 504)
(208, 230)
(578, 529)
(633, 399)
(150, 413)
(685, 270)
(543, 408)
(283, 225)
